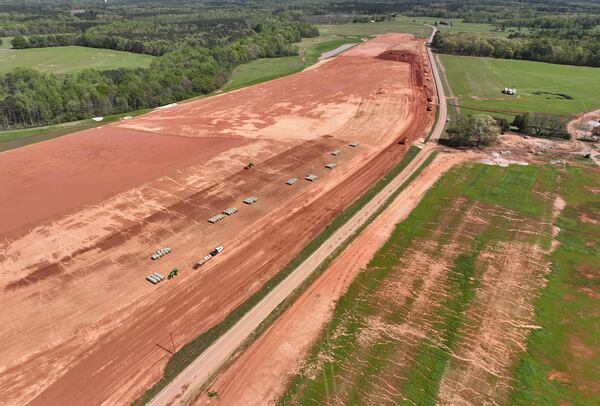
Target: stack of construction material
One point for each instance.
(155, 278)
(202, 262)
(335, 152)
(291, 181)
(216, 219)
(250, 200)
(159, 253)
(354, 144)
(311, 177)
(330, 166)
(230, 211)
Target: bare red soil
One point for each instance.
(51, 178)
(80, 322)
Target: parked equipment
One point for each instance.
(173, 273)
(159, 253)
(249, 166)
(216, 251)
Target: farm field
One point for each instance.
(70, 59)
(485, 293)
(367, 29)
(541, 87)
(114, 195)
(457, 25)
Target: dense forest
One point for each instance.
(545, 48)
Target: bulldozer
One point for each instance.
(249, 166)
(173, 273)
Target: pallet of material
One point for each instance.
(354, 144)
(155, 278)
(311, 177)
(230, 211)
(217, 218)
(250, 200)
(291, 181)
(330, 166)
(335, 152)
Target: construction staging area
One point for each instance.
(82, 325)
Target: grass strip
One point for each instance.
(189, 352)
(36, 134)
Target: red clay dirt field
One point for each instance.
(82, 215)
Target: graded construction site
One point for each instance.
(83, 214)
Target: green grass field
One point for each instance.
(261, 70)
(541, 87)
(403, 324)
(367, 29)
(457, 25)
(69, 59)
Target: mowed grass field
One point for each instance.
(367, 29)
(457, 25)
(468, 302)
(261, 70)
(541, 87)
(69, 59)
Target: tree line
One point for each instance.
(30, 98)
(561, 51)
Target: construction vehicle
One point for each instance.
(173, 273)
(428, 108)
(249, 166)
(216, 251)
(402, 141)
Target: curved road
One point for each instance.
(201, 369)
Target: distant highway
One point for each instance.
(201, 369)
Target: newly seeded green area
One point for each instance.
(261, 70)
(541, 87)
(69, 59)
(462, 271)
(561, 362)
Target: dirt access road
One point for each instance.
(80, 323)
